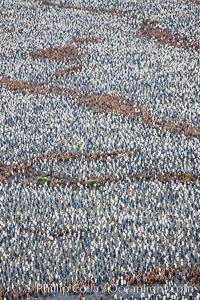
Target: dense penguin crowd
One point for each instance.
(125, 232)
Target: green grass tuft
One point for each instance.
(44, 180)
(92, 181)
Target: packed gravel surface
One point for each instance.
(99, 147)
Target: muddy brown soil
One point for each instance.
(27, 87)
(115, 104)
(26, 173)
(165, 37)
(86, 8)
(139, 279)
(196, 1)
(66, 71)
(101, 103)
(63, 54)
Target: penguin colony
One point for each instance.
(104, 92)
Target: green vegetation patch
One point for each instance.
(42, 180)
(92, 181)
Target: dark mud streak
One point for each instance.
(63, 54)
(69, 54)
(101, 103)
(115, 104)
(195, 1)
(27, 169)
(67, 71)
(25, 86)
(28, 175)
(65, 232)
(87, 8)
(137, 279)
(15, 171)
(151, 30)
